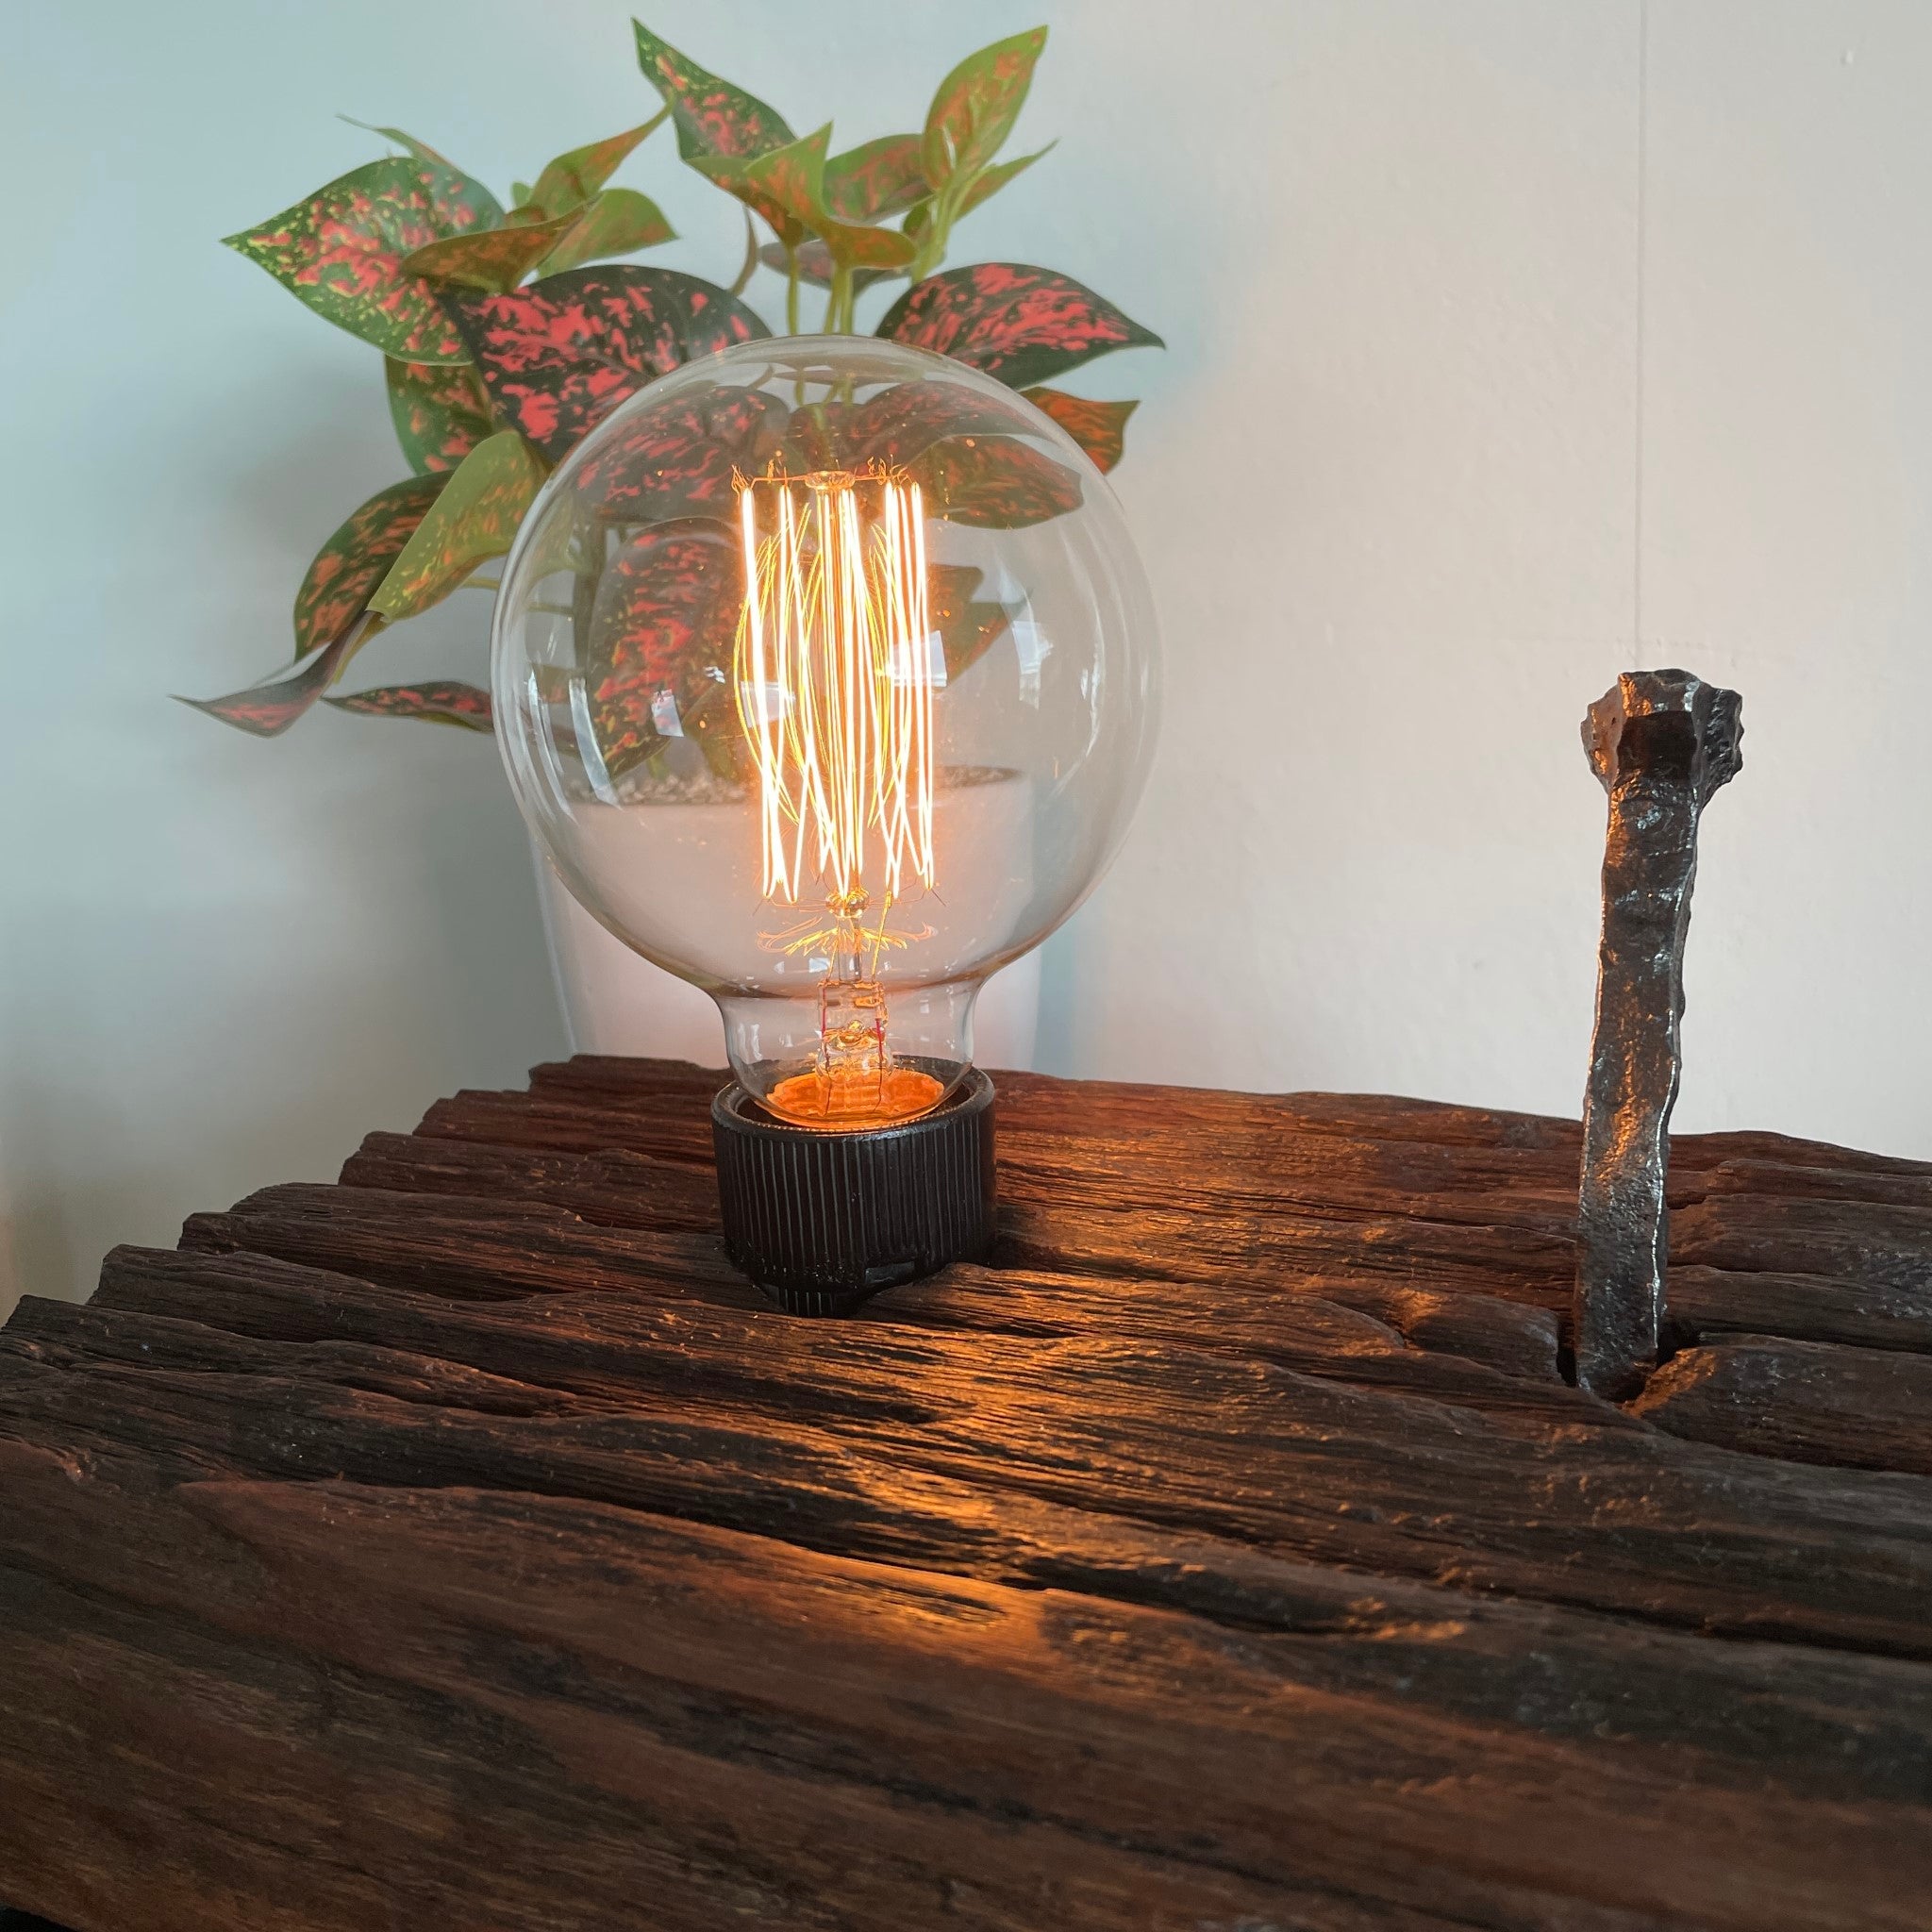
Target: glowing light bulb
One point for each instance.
(825, 672)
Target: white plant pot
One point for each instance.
(616, 1003)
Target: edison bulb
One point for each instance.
(825, 673)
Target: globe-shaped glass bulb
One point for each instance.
(825, 673)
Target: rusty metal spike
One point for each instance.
(1661, 743)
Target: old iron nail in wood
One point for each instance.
(1661, 742)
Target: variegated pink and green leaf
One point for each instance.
(1099, 428)
(814, 440)
(421, 149)
(341, 581)
(982, 187)
(1025, 325)
(439, 410)
(678, 457)
(342, 251)
(977, 104)
(664, 623)
(268, 709)
(884, 249)
(619, 221)
(731, 174)
(475, 517)
(968, 628)
(988, 181)
(560, 355)
(710, 719)
(789, 186)
(894, 426)
(712, 116)
(994, 482)
(881, 178)
(573, 178)
(439, 701)
(496, 260)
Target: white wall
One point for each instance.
(1514, 342)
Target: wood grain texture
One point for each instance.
(465, 1545)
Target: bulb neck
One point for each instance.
(855, 1081)
(851, 1051)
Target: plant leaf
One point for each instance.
(476, 516)
(439, 410)
(712, 116)
(968, 628)
(1025, 325)
(564, 352)
(520, 193)
(342, 251)
(883, 249)
(573, 178)
(619, 221)
(883, 177)
(725, 172)
(994, 482)
(421, 149)
(665, 620)
(791, 181)
(678, 457)
(815, 265)
(988, 181)
(439, 702)
(339, 584)
(977, 104)
(268, 709)
(498, 259)
(1099, 428)
(812, 439)
(894, 426)
(711, 719)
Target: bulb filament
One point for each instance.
(835, 686)
(835, 693)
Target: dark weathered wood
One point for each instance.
(833, 1497)
(465, 1545)
(1348, 1476)
(1862, 1241)
(1851, 1407)
(1804, 1307)
(621, 1190)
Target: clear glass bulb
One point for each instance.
(827, 673)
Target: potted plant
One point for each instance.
(506, 333)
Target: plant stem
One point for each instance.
(838, 303)
(939, 230)
(791, 289)
(751, 257)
